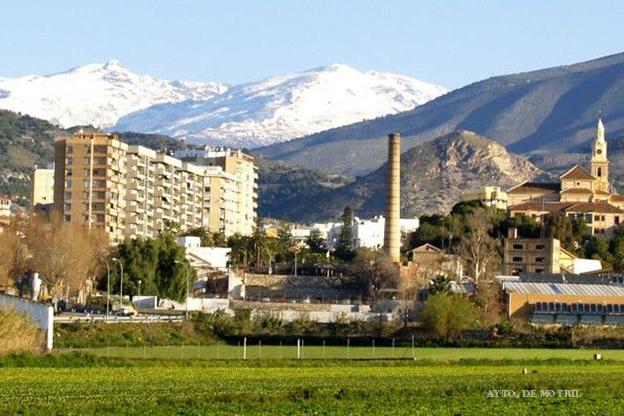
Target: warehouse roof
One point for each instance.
(563, 289)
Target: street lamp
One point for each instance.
(121, 289)
(107, 290)
(140, 288)
(187, 284)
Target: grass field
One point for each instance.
(256, 351)
(327, 387)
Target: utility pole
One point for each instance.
(121, 287)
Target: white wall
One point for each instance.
(40, 313)
(586, 265)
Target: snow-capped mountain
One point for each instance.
(282, 108)
(96, 94)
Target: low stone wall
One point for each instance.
(259, 286)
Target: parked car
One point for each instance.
(127, 311)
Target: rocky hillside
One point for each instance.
(541, 112)
(434, 175)
(281, 187)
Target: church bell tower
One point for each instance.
(599, 163)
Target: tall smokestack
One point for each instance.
(392, 232)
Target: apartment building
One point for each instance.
(42, 189)
(231, 202)
(90, 181)
(133, 191)
(162, 192)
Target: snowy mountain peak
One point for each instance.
(97, 94)
(247, 115)
(285, 107)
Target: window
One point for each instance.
(596, 217)
(99, 218)
(69, 160)
(67, 217)
(68, 172)
(67, 207)
(69, 149)
(98, 206)
(518, 247)
(68, 183)
(603, 218)
(599, 169)
(68, 195)
(540, 247)
(617, 220)
(539, 270)
(517, 259)
(99, 149)
(540, 260)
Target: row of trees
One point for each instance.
(68, 257)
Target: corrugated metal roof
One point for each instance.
(565, 289)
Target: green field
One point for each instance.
(311, 387)
(230, 352)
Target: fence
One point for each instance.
(118, 319)
(40, 313)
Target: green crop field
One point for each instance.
(224, 351)
(312, 387)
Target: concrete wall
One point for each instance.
(41, 314)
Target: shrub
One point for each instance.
(446, 314)
(19, 334)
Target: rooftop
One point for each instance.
(535, 187)
(577, 173)
(563, 289)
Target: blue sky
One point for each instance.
(451, 43)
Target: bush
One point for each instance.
(19, 334)
(446, 314)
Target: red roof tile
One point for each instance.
(577, 173)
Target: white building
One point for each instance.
(366, 233)
(205, 259)
(5, 206)
(42, 189)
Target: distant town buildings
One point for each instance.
(132, 191)
(366, 233)
(5, 207)
(579, 194)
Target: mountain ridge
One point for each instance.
(547, 110)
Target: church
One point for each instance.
(578, 194)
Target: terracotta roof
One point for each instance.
(535, 187)
(426, 247)
(601, 207)
(577, 173)
(584, 191)
(600, 192)
(617, 198)
(541, 207)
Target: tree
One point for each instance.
(374, 271)
(158, 263)
(477, 248)
(344, 246)
(66, 255)
(447, 314)
(315, 242)
(440, 284)
(13, 255)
